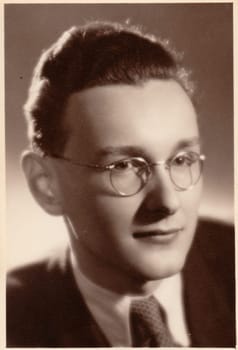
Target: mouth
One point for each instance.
(158, 235)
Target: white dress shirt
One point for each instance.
(111, 310)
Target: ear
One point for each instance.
(42, 181)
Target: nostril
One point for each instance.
(162, 211)
(145, 216)
(166, 210)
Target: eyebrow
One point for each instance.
(195, 141)
(120, 150)
(130, 150)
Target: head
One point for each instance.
(101, 94)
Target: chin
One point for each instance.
(163, 269)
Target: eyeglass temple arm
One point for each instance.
(69, 160)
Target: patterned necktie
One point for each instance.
(147, 325)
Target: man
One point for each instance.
(115, 149)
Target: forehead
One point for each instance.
(154, 115)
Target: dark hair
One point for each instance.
(95, 54)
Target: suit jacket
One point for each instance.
(45, 308)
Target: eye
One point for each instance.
(185, 159)
(135, 164)
(123, 164)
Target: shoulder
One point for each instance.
(216, 240)
(34, 294)
(46, 309)
(36, 278)
(214, 248)
(209, 281)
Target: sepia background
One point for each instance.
(202, 31)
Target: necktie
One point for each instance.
(147, 325)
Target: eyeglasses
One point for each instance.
(130, 175)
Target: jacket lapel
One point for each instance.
(71, 321)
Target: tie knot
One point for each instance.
(147, 324)
(147, 309)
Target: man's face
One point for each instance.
(155, 121)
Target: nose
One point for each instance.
(161, 197)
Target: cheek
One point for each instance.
(190, 201)
(92, 211)
(115, 213)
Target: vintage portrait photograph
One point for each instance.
(119, 132)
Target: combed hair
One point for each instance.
(96, 54)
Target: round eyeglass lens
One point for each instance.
(185, 170)
(129, 176)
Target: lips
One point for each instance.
(156, 233)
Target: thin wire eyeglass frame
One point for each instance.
(146, 165)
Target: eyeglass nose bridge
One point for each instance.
(163, 163)
(160, 163)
